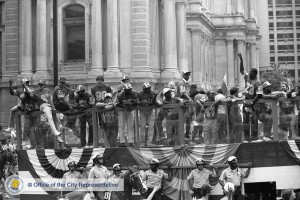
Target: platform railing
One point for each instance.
(230, 130)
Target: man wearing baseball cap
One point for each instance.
(83, 101)
(98, 173)
(235, 175)
(125, 79)
(126, 99)
(170, 114)
(199, 177)
(154, 178)
(100, 89)
(110, 120)
(183, 91)
(183, 86)
(147, 98)
(43, 99)
(60, 94)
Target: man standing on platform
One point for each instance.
(60, 101)
(99, 90)
(126, 99)
(200, 176)
(154, 178)
(84, 101)
(43, 99)
(234, 175)
(183, 91)
(125, 80)
(147, 98)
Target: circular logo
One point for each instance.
(14, 185)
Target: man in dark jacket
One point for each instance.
(84, 100)
(146, 99)
(126, 99)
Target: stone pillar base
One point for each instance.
(26, 74)
(92, 75)
(142, 76)
(42, 75)
(112, 75)
(170, 75)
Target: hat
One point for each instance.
(172, 85)
(116, 165)
(266, 84)
(125, 77)
(206, 187)
(199, 161)
(108, 95)
(24, 80)
(80, 88)
(146, 85)
(71, 163)
(41, 82)
(229, 187)
(127, 86)
(185, 72)
(165, 90)
(232, 158)
(154, 161)
(62, 80)
(100, 77)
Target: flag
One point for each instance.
(224, 84)
(242, 69)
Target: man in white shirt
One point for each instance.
(235, 175)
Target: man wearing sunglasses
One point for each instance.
(198, 177)
(233, 174)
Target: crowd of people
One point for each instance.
(153, 179)
(203, 123)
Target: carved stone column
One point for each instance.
(230, 62)
(113, 70)
(26, 68)
(97, 62)
(181, 36)
(41, 46)
(170, 46)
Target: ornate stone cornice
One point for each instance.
(62, 3)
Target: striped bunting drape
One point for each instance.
(178, 156)
(50, 165)
(293, 149)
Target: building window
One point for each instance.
(271, 24)
(270, 2)
(281, 2)
(286, 58)
(270, 13)
(284, 13)
(74, 26)
(284, 24)
(285, 36)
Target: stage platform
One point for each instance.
(267, 159)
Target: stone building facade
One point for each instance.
(150, 40)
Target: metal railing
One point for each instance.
(173, 125)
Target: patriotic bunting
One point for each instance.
(50, 165)
(293, 149)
